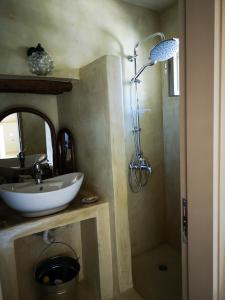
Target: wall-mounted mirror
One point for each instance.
(26, 136)
(65, 147)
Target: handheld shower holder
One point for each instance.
(136, 80)
(131, 58)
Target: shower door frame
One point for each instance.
(183, 154)
(220, 250)
(203, 136)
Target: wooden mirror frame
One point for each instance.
(21, 109)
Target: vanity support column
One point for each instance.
(105, 254)
(8, 276)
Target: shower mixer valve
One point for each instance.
(143, 165)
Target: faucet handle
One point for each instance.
(37, 172)
(45, 158)
(21, 154)
(37, 167)
(21, 157)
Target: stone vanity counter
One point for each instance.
(14, 226)
(11, 220)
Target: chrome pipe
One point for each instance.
(151, 36)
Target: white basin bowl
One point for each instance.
(33, 200)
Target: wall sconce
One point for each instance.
(40, 62)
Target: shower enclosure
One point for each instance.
(154, 187)
(140, 168)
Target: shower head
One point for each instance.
(164, 50)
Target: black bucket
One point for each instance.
(58, 277)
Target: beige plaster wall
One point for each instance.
(94, 114)
(74, 24)
(169, 25)
(86, 37)
(47, 104)
(75, 35)
(147, 208)
(85, 112)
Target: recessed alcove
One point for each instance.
(84, 227)
(82, 237)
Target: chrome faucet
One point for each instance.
(37, 171)
(21, 157)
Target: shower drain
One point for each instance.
(163, 268)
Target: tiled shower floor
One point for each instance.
(153, 284)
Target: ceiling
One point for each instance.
(157, 5)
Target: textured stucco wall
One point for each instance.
(94, 114)
(75, 33)
(169, 25)
(46, 104)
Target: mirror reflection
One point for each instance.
(25, 132)
(25, 139)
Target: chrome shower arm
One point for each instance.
(138, 73)
(151, 36)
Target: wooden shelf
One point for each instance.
(35, 86)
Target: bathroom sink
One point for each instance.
(52, 195)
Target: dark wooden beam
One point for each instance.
(35, 86)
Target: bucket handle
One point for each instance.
(61, 243)
(46, 248)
